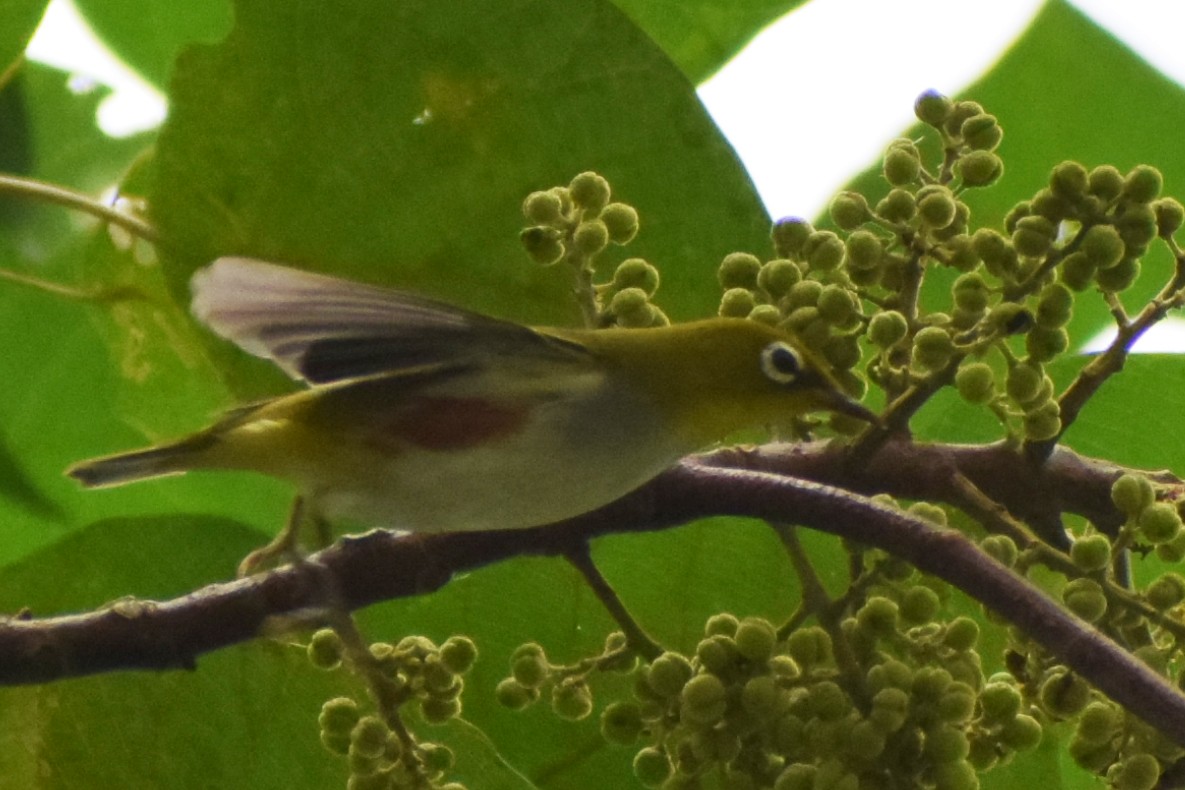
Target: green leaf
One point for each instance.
(701, 36)
(149, 34)
(411, 169)
(17, 25)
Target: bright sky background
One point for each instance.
(863, 107)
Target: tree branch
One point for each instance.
(379, 565)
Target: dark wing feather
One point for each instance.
(324, 329)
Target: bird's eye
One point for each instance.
(781, 363)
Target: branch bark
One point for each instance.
(365, 569)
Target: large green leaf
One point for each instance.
(17, 25)
(702, 36)
(148, 34)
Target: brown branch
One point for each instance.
(379, 566)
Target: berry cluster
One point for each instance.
(575, 224)
(382, 754)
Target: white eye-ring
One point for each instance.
(781, 363)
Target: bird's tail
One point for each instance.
(114, 470)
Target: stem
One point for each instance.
(638, 640)
(51, 193)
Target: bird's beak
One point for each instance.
(843, 404)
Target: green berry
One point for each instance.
(1044, 343)
(1022, 733)
(1051, 207)
(1119, 277)
(982, 132)
(1166, 592)
(809, 646)
(631, 303)
(636, 273)
(778, 276)
(1043, 422)
(1001, 548)
(590, 192)
(1159, 522)
(325, 649)
(1070, 181)
(890, 709)
(717, 654)
(1033, 236)
(960, 253)
(990, 246)
(936, 207)
(621, 723)
(887, 328)
(961, 634)
(1137, 227)
(1077, 271)
(1173, 551)
(980, 168)
(1054, 306)
(928, 511)
(755, 638)
(823, 251)
(803, 294)
(621, 220)
(945, 744)
(1063, 694)
(338, 716)
(530, 670)
(722, 624)
(878, 617)
(1170, 215)
(957, 704)
(737, 303)
(797, 776)
(933, 348)
(838, 306)
(514, 695)
(543, 244)
(652, 767)
(1085, 598)
(1142, 184)
(898, 207)
(760, 697)
(959, 112)
(458, 654)
(543, 208)
(849, 210)
(1135, 772)
(955, 775)
(739, 270)
(590, 237)
(1102, 245)
(703, 700)
(668, 673)
(571, 699)
(932, 108)
(1131, 493)
(1000, 701)
(828, 701)
(1099, 722)
(785, 667)
(970, 292)
(976, 383)
(789, 236)
(438, 710)
(1091, 553)
(369, 737)
(1106, 182)
(1024, 382)
(842, 351)
(902, 164)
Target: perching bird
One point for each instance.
(425, 417)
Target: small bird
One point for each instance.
(424, 417)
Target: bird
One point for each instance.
(421, 416)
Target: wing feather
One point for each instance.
(323, 329)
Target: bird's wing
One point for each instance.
(323, 329)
